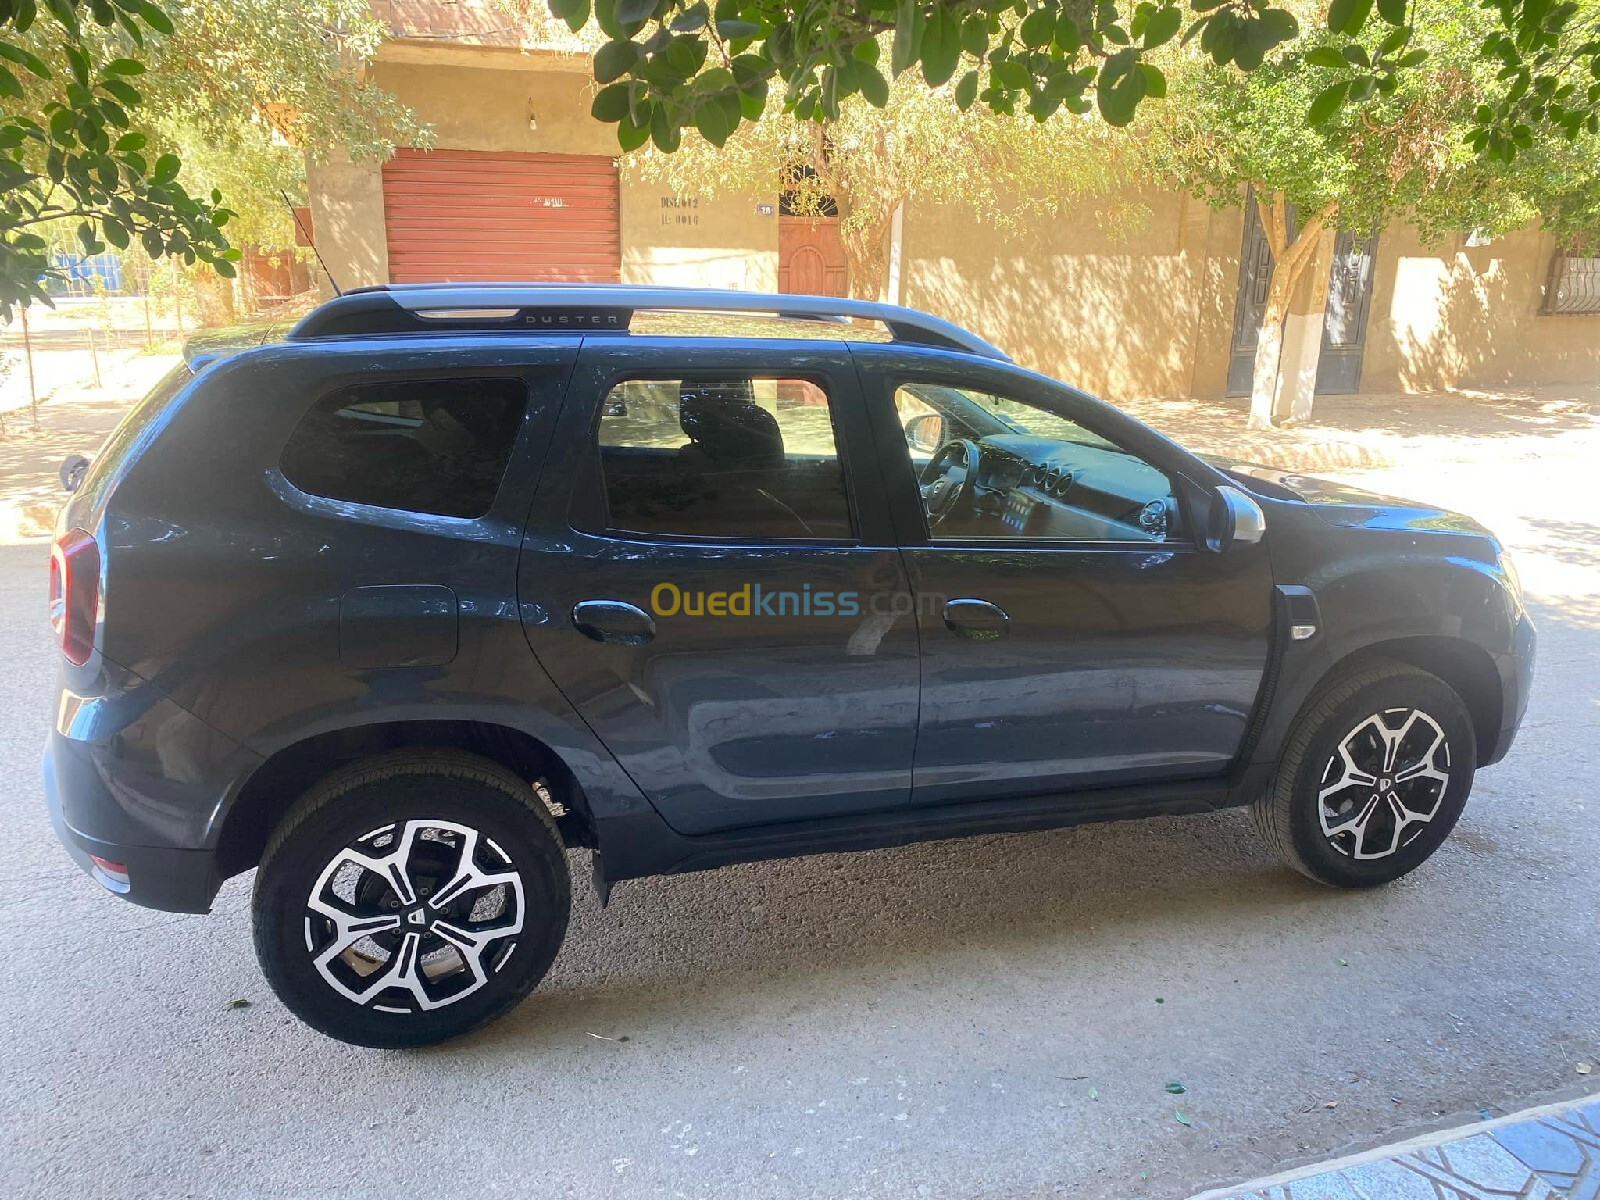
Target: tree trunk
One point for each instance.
(1269, 349)
(214, 295)
(1289, 262)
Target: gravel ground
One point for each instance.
(995, 1017)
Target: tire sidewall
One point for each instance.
(1410, 690)
(284, 882)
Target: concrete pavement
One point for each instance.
(989, 1018)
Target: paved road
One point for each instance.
(986, 1018)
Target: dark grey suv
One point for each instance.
(451, 580)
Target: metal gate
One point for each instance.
(473, 215)
(1344, 325)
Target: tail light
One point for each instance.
(74, 593)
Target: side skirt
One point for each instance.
(642, 845)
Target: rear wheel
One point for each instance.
(1373, 777)
(410, 898)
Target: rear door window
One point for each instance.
(736, 457)
(436, 446)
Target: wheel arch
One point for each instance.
(287, 774)
(1465, 667)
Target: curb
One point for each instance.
(1335, 1168)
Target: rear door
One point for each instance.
(1073, 634)
(710, 576)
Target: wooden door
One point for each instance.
(811, 258)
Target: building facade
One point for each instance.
(522, 184)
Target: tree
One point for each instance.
(232, 96)
(869, 161)
(69, 151)
(673, 64)
(1409, 153)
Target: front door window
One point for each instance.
(993, 467)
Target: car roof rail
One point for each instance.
(596, 308)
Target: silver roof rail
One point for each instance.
(597, 308)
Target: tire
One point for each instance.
(1373, 776)
(330, 929)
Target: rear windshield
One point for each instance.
(128, 436)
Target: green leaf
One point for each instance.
(874, 87)
(1120, 88)
(908, 30)
(1348, 16)
(1357, 54)
(733, 30)
(941, 47)
(1392, 11)
(1068, 39)
(166, 169)
(610, 103)
(690, 19)
(124, 66)
(1328, 101)
(23, 58)
(967, 90)
(614, 60)
(975, 35)
(1155, 83)
(1325, 56)
(1162, 26)
(630, 11)
(1175, 1088)
(10, 86)
(155, 18)
(716, 120)
(631, 136)
(1038, 28)
(1182, 1117)
(125, 92)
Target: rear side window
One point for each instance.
(436, 446)
(735, 457)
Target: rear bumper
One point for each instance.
(171, 878)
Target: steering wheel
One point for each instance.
(948, 478)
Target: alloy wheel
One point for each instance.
(414, 915)
(1384, 783)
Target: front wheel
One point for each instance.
(409, 898)
(1372, 778)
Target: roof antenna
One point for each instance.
(310, 241)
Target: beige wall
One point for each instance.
(1117, 314)
(347, 222)
(1452, 316)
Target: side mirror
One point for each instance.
(1234, 520)
(73, 469)
(925, 432)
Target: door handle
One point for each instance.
(613, 622)
(976, 619)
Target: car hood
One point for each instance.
(1347, 507)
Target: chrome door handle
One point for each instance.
(614, 622)
(979, 620)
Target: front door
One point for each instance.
(811, 258)
(1073, 633)
(1344, 322)
(710, 577)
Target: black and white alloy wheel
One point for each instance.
(1384, 783)
(411, 897)
(1372, 778)
(414, 915)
